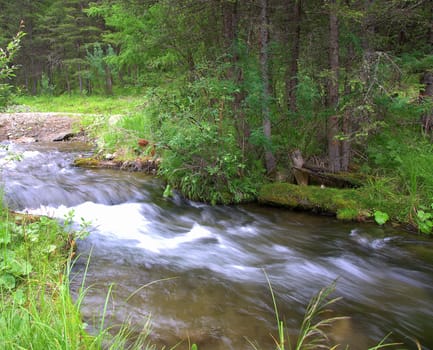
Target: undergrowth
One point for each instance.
(36, 307)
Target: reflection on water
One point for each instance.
(208, 262)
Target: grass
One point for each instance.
(116, 122)
(360, 204)
(313, 329)
(36, 307)
(316, 326)
(75, 103)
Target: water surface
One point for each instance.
(198, 271)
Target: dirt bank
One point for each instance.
(40, 127)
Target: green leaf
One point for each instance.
(5, 237)
(380, 217)
(168, 192)
(5, 257)
(423, 216)
(19, 297)
(19, 267)
(7, 280)
(425, 227)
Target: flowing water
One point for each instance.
(198, 270)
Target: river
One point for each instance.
(198, 271)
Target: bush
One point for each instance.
(206, 166)
(204, 149)
(7, 69)
(406, 162)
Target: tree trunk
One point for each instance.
(427, 77)
(89, 87)
(108, 81)
(346, 144)
(270, 162)
(426, 92)
(366, 39)
(333, 120)
(292, 72)
(80, 79)
(230, 20)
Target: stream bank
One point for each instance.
(209, 260)
(29, 127)
(345, 204)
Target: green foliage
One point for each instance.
(206, 166)
(101, 67)
(308, 96)
(36, 307)
(348, 214)
(203, 153)
(424, 219)
(121, 134)
(47, 88)
(406, 162)
(168, 192)
(380, 217)
(313, 330)
(7, 68)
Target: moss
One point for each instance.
(347, 214)
(87, 162)
(345, 203)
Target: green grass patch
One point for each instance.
(80, 104)
(36, 308)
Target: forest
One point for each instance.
(318, 105)
(233, 88)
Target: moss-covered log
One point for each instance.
(344, 203)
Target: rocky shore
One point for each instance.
(31, 127)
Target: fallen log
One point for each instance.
(306, 174)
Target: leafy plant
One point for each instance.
(47, 88)
(203, 154)
(424, 219)
(380, 217)
(7, 69)
(99, 60)
(206, 166)
(36, 307)
(402, 169)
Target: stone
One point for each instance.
(63, 136)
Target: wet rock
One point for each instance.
(63, 136)
(109, 156)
